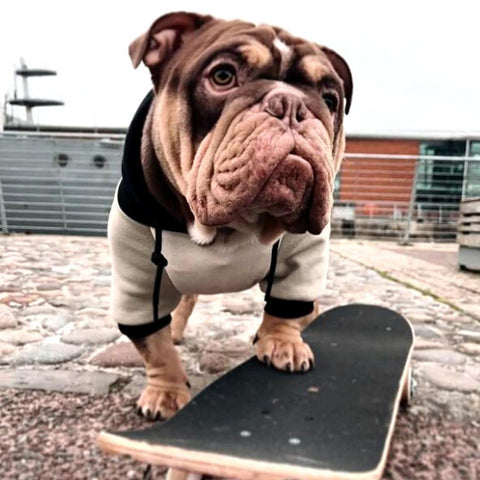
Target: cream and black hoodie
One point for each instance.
(154, 261)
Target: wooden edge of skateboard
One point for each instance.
(242, 468)
(219, 465)
(405, 375)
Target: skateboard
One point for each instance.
(333, 422)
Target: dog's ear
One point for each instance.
(164, 37)
(343, 70)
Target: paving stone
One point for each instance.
(56, 322)
(21, 299)
(46, 353)
(232, 347)
(445, 357)
(470, 348)
(95, 324)
(103, 281)
(459, 320)
(40, 301)
(20, 337)
(450, 380)
(121, 354)
(200, 382)
(48, 287)
(92, 312)
(425, 318)
(45, 309)
(62, 269)
(419, 317)
(215, 363)
(238, 305)
(474, 371)
(421, 344)
(7, 318)
(6, 349)
(9, 288)
(93, 383)
(135, 387)
(426, 332)
(91, 336)
(471, 335)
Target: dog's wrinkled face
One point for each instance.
(247, 123)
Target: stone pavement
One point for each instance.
(428, 268)
(56, 335)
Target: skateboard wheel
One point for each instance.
(407, 389)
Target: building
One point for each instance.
(388, 180)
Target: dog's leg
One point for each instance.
(279, 342)
(308, 319)
(167, 384)
(180, 316)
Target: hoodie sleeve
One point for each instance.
(299, 276)
(133, 273)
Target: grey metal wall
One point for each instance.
(57, 184)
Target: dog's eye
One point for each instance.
(224, 76)
(331, 101)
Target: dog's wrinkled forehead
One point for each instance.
(179, 46)
(260, 46)
(269, 50)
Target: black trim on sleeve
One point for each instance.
(288, 308)
(140, 331)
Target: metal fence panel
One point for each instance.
(57, 184)
(403, 197)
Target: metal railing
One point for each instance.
(57, 184)
(403, 197)
(65, 184)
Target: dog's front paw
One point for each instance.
(291, 355)
(162, 401)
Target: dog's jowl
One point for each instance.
(227, 182)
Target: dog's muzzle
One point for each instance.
(274, 157)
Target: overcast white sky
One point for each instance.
(415, 63)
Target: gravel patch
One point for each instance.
(53, 435)
(427, 447)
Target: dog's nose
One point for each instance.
(287, 107)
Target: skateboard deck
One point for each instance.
(333, 422)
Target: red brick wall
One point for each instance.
(378, 186)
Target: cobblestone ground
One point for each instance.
(66, 372)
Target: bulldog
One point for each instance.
(227, 177)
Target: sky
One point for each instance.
(415, 63)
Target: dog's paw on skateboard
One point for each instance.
(279, 342)
(162, 402)
(287, 354)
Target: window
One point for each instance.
(61, 159)
(440, 180)
(99, 161)
(472, 174)
(336, 187)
